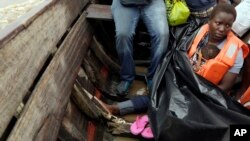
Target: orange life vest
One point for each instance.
(214, 69)
(245, 99)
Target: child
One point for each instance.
(210, 51)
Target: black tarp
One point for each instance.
(185, 106)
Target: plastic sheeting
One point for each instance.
(185, 106)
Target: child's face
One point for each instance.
(220, 25)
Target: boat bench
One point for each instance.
(99, 11)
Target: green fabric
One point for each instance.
(177, 12)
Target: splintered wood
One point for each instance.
(14, 11)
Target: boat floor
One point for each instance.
(138, 87)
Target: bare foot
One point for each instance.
(113, 109)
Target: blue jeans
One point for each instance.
(126, 20)
(138, 104)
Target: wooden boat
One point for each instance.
(54, 60)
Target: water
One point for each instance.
(10, 10)
(4, 3)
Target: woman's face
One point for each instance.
(220, 25)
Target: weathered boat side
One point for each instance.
(32, 64)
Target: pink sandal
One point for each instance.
(147, 133)
(138, 126)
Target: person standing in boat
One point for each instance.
(126, 19)
(229, 60)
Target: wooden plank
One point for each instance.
(103, 57)
(85, 102)
(68, 132)
(74, 125)
(100, 12)
(23, 56)
(14, 28)
(50, 123)
(53, 90)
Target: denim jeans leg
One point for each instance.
(141, 103)
(137, 105)
(126, 20)
(155, 19)
(126, 107)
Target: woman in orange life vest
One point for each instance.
(224, 68)
(221, 70)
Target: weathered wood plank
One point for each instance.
(103, 57)
(24, 21)
(85, 103)
(50, 123)
(100, 12)
(74, 125)
(23, 56)
(14, 28)
(68, 132)
(54, 88)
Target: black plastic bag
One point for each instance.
(186, 107)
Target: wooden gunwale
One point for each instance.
(25, 46)
(23, 22)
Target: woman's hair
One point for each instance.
(223, 7)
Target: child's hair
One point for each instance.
(210, 51)
(223, 7)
